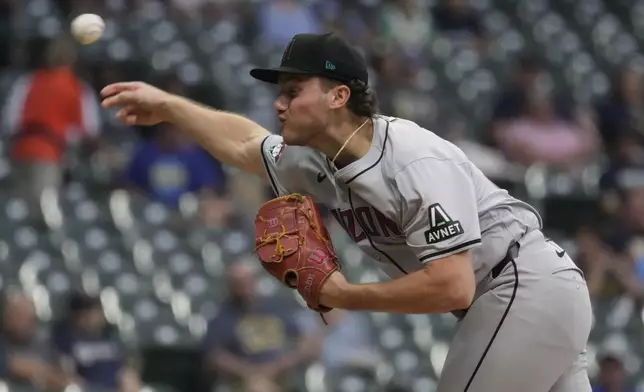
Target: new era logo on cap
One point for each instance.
(329, 65)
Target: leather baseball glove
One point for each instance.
(294, 246)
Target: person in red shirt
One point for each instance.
(44, 111)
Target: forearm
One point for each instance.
(24, 369)
(282, 364)
(129, 380)
(40, 374)
(224, 362)
(438, 288)
(595, 281)
(595, 272)
(623, 271)
(230, 138)
(301, 353)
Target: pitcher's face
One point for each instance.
(302, 108)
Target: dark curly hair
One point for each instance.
(363, 101)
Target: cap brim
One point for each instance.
(271, 75)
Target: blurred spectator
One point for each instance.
(459, 21)
(390, 78)
(398, 91)
(513, 99)
(168, 165)
(598, 262)
(90, 350)
(215, 212)
(348, 345)
(329, 14)
(621, 118)
(407, 24)
(24, 356)
(540, 136)
(346, 18)
(252, 340)
(44, 111)
(612, 253)
(492, 162)
(280, 20)
(612, 375)
(248, 192)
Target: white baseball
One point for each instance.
(87, 28)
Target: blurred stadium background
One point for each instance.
(140, 225)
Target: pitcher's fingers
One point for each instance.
(131, 119)
(120, 99)
(127, 116)
(116, 88)
(121, 115)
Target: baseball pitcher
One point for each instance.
(450, 240)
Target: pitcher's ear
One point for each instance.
(339, 96)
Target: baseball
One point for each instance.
(87, 28)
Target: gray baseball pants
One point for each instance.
(527, 329)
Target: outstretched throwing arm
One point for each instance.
(230, 138)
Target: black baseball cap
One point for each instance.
(325, 55)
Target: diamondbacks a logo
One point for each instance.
(276, 150)
(441, 226)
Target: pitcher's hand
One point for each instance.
(139, 103)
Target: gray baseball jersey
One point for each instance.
(415, 197)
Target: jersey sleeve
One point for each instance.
(284, 165)
(439, 208)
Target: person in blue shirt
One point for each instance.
(253, 340)
(609, 244)
(89, 349)
(612, 376)
(167, 166)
